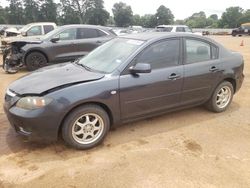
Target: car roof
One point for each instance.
(41, 23)
(172, 26)
(159, 35)
(84, 25)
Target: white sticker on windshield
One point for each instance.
(118, 61)
(135, 42)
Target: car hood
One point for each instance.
(53, 77)
(33, 39)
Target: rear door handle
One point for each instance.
(98, 42)
(213, 69)
(174, 76)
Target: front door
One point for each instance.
(146, 93)
(65, 48)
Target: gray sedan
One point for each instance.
(126, 79)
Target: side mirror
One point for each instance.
(140, 68)
(54, 40)
(24, 33)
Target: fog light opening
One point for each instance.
(24, 131)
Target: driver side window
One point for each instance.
(161, 54)
(68, 34)
(35, 30)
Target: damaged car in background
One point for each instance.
(30, 30)
(66, 43)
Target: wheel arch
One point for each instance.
(34, 50)
(232, 81)
(100, 104)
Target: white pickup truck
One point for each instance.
(31, 30)
(175, 28)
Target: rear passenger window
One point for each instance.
(197, 51)
(161, 54)
(84, 33)
(48, 28)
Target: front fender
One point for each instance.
(99, 92)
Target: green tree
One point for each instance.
(111, 21)
(3, 19)
(48, 11)
(197, 20)
(123, 14)
(31, 11)
(164, 16)
(15, 12)
(149, 21)
(230, 18)
(137, 20)
(96, 14)
(245, 17)
(81, 7)
(67, 14)
(214, 17)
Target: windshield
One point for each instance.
(52, 33)
(24, 28)
(111, 55)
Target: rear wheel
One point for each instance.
(85, 127)
(221, 98)
(35, 60)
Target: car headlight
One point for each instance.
(32, 103)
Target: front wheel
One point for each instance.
(221, 98)
(35, 60)
(85, 127)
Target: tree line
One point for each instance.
(93, 12)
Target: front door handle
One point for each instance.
(213, 69)
(174, 76)
(98, 42)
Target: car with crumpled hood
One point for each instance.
(66, 43)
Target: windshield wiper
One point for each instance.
(88, 68)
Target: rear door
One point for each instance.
(202, 70)
(146, 93)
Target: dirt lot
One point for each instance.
(190, 148)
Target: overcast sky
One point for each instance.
(181, 9)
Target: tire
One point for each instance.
(85, 127)
(35, 60)
(221, 98)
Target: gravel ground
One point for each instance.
(190, 148)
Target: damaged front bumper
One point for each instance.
(12, 59)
